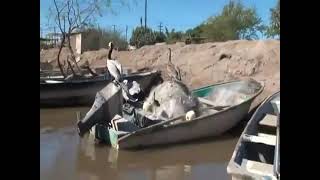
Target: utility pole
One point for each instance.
(145, 15)
(126, 33)
(114, 28)
(160, 27)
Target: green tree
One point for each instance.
(141, 36)
(173, 36)
(160, 37)
(274, 27)
(195, 32)
(234, 22)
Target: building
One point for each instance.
(75, 40)
(51, 39)
(54, 40)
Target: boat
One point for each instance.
(223, 105)
(57, 92)
(53, 74)
(257, 153)
(57, 75)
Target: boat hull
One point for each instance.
(212, 124)
(238, 164)
(199, 128)
(82, 92)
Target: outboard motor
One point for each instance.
(134, 92)
(107, 104)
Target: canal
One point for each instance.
(64, 155)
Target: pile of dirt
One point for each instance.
(202, 64)
(49, 56)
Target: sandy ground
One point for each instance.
(200, 64)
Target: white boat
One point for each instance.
(257, 153)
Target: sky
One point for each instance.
(178, 14)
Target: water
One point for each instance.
(63, 155)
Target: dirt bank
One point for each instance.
(202, 64)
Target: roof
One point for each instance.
(76, 31)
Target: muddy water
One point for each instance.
(63, 155)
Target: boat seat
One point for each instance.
(206, 101)
(121, 124)
(269, 120)
(210, 103)
(258, 167)
(271, 136)
(261, 138)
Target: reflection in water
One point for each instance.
(58, 154)
(63, 155)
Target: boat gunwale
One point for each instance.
(100, 78)
(232, 165)
(87, 90)
(159, 126)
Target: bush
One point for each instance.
(97, 38)
(160, 37)
(141, 36)
(173, 37)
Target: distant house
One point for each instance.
(54, 39)
(51, 39)
(75, 39)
